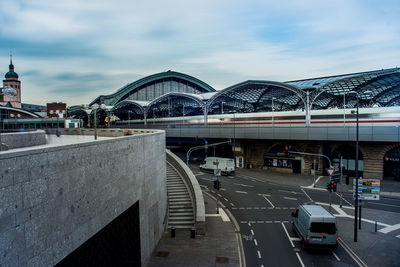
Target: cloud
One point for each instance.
(81, 49)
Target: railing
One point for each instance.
(194, 187)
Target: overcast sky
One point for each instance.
(72, 51)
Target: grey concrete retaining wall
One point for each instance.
(53, 199)
(23, 139)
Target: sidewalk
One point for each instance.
(218, 247)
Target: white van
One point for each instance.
(225, 165)
(315, 226)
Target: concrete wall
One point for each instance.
(23, 139)
(53, 199)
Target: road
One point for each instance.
(263, 211)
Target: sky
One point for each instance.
(73, 51)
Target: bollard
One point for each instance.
(193, 232)
(376, 226)
(172, 231)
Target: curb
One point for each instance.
(352, 253)
(242, 257)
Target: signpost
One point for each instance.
(330, 171)
(368, 189)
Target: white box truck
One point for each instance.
(315, 226)
(225, 165)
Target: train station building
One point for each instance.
(264, 117)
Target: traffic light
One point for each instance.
(334, 187)
(217, 184)
(329, 187)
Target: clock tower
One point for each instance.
(11, 79)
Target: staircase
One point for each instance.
(180, 205)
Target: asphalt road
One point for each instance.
(263, 211)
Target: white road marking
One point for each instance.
(301, 262)
(306, 194)
(336, 256)
(296, 239)
(249, 224)
(226, 199)
(290, 198)
(252, 221)
(264, 195)
(219, 195)
(232, 204)
(243, 221)
(390, 228)
(291, 192)
(241, 192)
(255, 242)
(398, 236)
(259, 254)
(288, 236)
(244, 185)
(277, 221)
(224, 217)
(223, 189)
(252, 232)
(268, 201)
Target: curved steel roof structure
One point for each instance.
(172, 94)
(374, 88)
(256, 96)
(153, 86)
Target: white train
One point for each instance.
(388, 116)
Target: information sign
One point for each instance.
(368, 189)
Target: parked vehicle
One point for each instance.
(225, 165)
(315, 226)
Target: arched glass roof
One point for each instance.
(256, 96)
(175, 105)
(153, 86)
(374, 88)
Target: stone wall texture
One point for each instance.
(23, 139)
(53, 199)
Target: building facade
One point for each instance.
(11, 80)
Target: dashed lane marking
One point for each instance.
(241, 192)
(255, 242)
(301, 262)
(336, 256)
(264, 195)
(259, 254)
(226, 199)
(290, 198)
(244, 185)
(252, 232)
(288, 236)
(232, 204)
(291, 192)
(296, 239)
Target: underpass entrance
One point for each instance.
(117, 244)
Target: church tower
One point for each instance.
(11, 79)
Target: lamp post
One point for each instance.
(356, 165)
(96, 107)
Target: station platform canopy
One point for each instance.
(174, 94)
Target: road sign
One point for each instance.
(368, 189)
(330, 171)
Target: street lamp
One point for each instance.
(96, 107)
(356, 167)
(222, 107)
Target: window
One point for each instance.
(325, 228)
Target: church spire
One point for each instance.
(11, 66)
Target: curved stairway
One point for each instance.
(180, 204)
